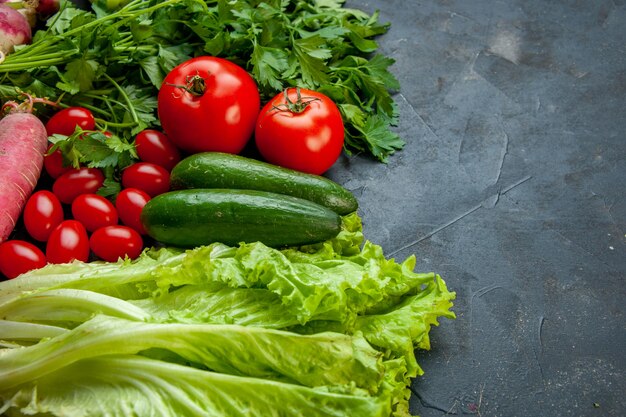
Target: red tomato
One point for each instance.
(208, 104)
(53, 163)
(68, 242)
(304, 131)
(65, 121)
(18, 257)
(153, 146)
(76, 182)
(151, 178)
(94, 211)
(113, 242)
(42, 214)
(129, 203)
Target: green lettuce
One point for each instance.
(325, 329)
(125, 386)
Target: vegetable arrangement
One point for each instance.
(162, 273)
(114, 62)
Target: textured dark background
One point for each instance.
(512, 187)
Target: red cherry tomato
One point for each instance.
(208, 104)
(65, 121)
(18, 257)
(303, 131)
(94, 211)
(151, 178)
(113, 242)
(68, 242)
(76, 182)
(42, 214)
(129, 204)
(153, 146)
(53, 164)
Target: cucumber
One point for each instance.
(189, 218)
(227, 171)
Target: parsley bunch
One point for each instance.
(114, 62)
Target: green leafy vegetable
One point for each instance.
(113, 62)
(326, 329)
(96, 150)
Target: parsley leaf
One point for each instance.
(79, 75)
(267, 66)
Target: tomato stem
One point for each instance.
(195, 86)
(297, 106)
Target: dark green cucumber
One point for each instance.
(227, 171)
(189, 218)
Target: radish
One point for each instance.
(25, 7)
(23, 143)
(14, 30)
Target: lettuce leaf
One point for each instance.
(329, 358)
(336, 323)
(123, 386)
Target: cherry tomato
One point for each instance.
(53, 163)
(302, 131)
(208, 104)
(113, 242)
(47, 8)
(76, 182)
(94, 211)
(129, 203)
(151, 178)
(68, 242)
(153, 146)
(64, 122)
(42, 214)
(18, 257)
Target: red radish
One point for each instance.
(26, 8)
(14, 30)
(23, 142)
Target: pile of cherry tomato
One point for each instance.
(71, 221)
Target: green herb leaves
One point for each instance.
(96, 150)
(112, 61)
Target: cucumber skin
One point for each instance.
(228, 171)
(196, 217)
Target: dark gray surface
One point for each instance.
(512, 188)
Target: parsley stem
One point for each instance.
(131, 108)
(40, 61)
(98, 93)
(113, 124)
(128, 12)
(122, 48)
(95, 109)
(103, 98)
